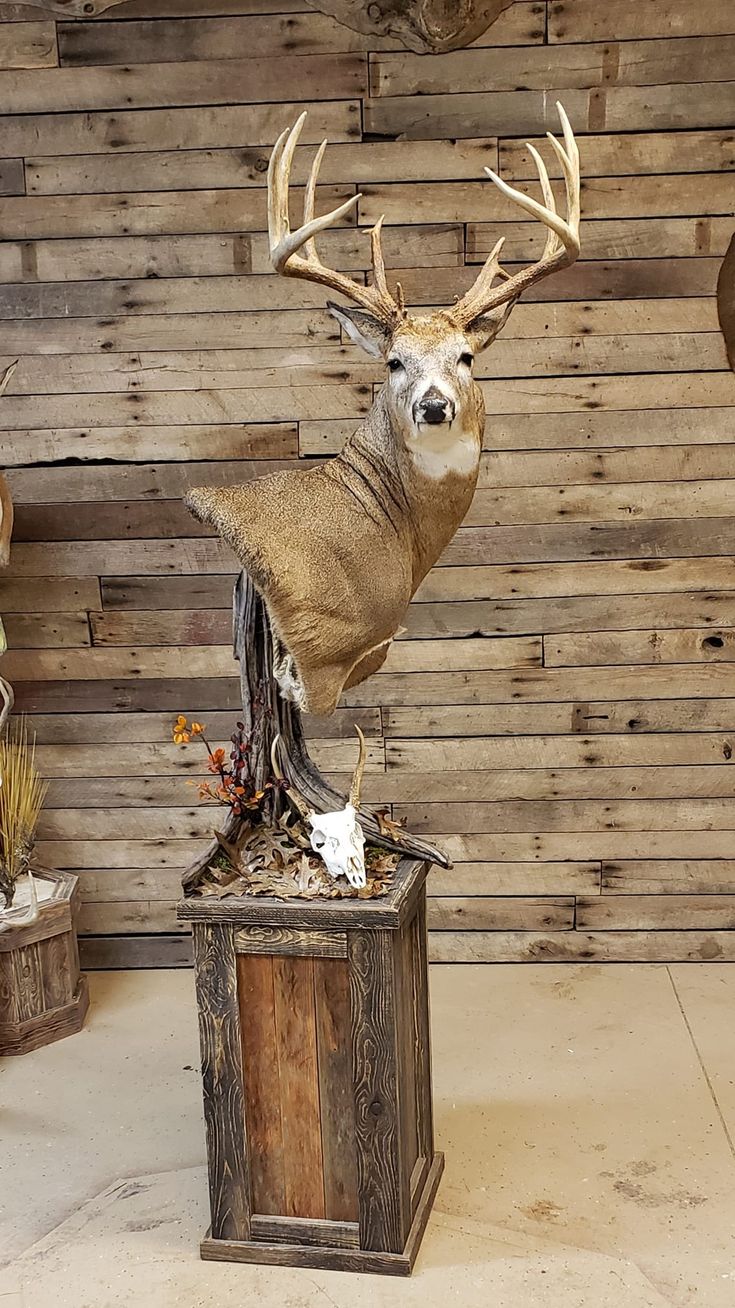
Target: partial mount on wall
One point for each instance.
(427, 26)
(73, 8)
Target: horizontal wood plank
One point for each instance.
(28, 45)
(692, 645)
(559, 67)
(531, 112)
(185, 83)
(583, 20)
(582, 947)
(204, 127)
(647, 877)
(611, 912)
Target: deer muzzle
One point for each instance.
(434, 408)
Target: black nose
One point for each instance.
(434, 411)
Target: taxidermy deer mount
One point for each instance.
(337, 552)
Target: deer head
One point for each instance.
(429, 393)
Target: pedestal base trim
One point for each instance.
(334, 1259)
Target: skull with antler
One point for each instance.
(338, 551)
(336, 837)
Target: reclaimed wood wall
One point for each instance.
(561, 715)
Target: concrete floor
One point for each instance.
(587, 1115)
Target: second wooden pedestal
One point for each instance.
(314, 1028)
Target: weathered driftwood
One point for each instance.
(267, 715)
(74, 8)
(427, 26)
(422, 25)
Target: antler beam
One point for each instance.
(562, 238)
(285, 244)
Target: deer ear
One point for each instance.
(482, 331)
(362, 328)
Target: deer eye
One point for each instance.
(395, 365)
(467, 359)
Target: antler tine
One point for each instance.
(310, 200)
(356, 786)
(277, 209)
(294, 254)
(548, 194)
(285, 243)
(376, 254)
(562, 238)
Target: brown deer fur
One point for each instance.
(338, 551)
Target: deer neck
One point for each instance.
(423, 492)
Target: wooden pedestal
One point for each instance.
(42, 995)
(314, 1027)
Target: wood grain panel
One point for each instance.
(384, 1216)
(584, 20)
(298, 1079)
(263, 1120)
(28, 45)
(224, 1116)
(130, 131)
(560, 709)
(336, 1102)
(521, 112)
(143, 85)
(636, 63)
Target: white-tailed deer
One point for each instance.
(338, 551)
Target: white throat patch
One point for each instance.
(440, 451)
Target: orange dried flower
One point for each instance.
(197, 728)
(216, 760)
(181, 731)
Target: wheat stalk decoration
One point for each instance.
(22, 792)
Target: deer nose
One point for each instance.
(434, 408)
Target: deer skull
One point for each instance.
(336, 837)
(339, 841)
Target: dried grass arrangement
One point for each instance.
(22, 792)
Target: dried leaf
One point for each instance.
(387, 827)
(278, 861)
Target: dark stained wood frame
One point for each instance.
(378, 1071)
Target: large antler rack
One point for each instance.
(562, 240)
(285, 244)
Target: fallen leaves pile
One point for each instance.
(278, 860)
